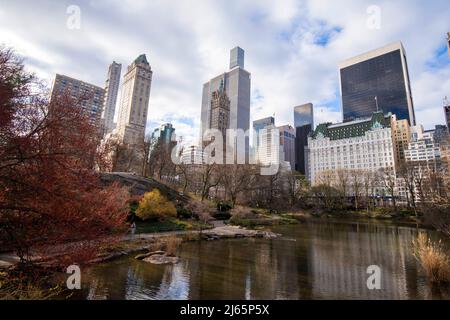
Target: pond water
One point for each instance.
(315, 260)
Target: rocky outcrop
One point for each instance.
(139, 185)
(230, 232)
(161, 259)
(142, 256)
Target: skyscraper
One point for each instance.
(377, 80)
(304, 124)
(164, 135)
(111, 90)
(237, 58)
(89, 96)
(287, 143)
(134, 101)
(267, 150)
(236, 86)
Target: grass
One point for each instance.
(433, 258)
(169, 225)
(17, 287)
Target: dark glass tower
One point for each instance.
(304, 124)
(375, 81)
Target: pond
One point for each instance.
(314, 260)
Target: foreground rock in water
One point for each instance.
(142, 256)
(227, 232)
(161, 259)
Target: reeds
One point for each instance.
(433, 258)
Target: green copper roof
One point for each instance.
(357, 128)
(141, 59)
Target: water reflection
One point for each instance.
(316, 260)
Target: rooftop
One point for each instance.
(352, 129)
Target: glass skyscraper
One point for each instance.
(377, 80)
(304, 124)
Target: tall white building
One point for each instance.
(134, 101)
(111, 90)
(365, 144)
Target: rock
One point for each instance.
(142, 256)
(161, 259)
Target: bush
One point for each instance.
(242, 212)
(223, 206)
(222, 215)
(154, 206)
(201, 209)
(433, 258)
(183, 212)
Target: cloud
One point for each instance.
(292, 49)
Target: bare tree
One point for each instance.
(407, 174)
(388, 179)
(356, 183)
(297, 186)
(236, 179)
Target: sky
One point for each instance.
(292, 49)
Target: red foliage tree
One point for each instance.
(50, 194)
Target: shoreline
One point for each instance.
(138, 242)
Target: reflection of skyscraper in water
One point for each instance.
(339, 269)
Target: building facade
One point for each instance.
(89, 96)
(401, 132)
(193, 155)
(134, 102)
(365, 145)
(220, 112)
(423, 147)
(236, 85)
(287, 144)
(267, 152)
(377, 81)
(164, 135)
(304, 125)
(111, 90)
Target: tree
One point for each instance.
(343, 181)
(154, 206)
(236, 178)
(208, 177)
(368, 182)
(297, 186)
(356, 184)
(407, 174)
(49, 191)
(388, 179)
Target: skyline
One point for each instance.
(292, 50)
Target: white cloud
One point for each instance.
(188, 42)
